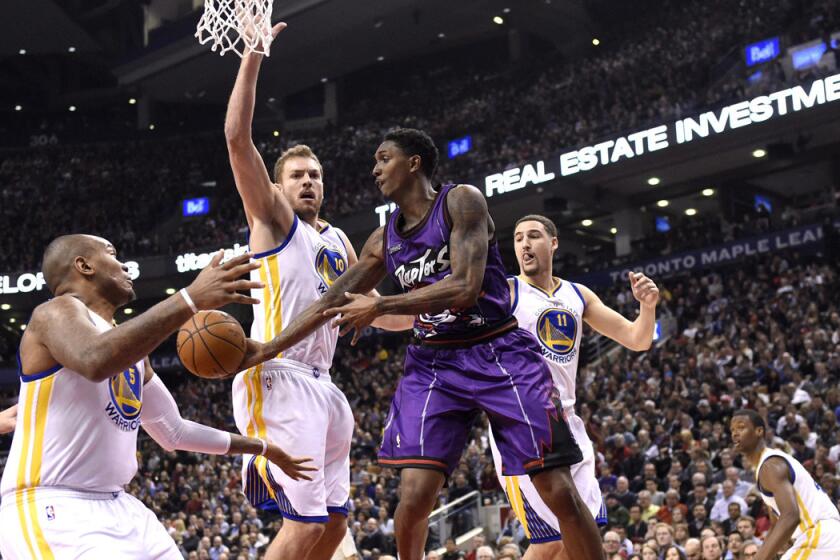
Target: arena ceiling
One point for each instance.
(326, 38)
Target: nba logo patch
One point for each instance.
(50, 513)
(268, 382)
(316, 373)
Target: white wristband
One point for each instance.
(189, 300)
(265, 446)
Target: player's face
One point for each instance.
(534, 247)
(392, 168)
(745, 436)
(303, 186)
(111, 274)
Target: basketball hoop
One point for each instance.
(240, 26)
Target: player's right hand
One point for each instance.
(219, 284)
(8, 419)
(292, 466)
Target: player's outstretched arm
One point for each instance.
(636, 335)
(386, 322)
(8, 419)
(262, 201)
(360, 278)
(468, 244)
(774, 477)
(61, 331)
(162, 420)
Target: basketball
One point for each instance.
(211, 344)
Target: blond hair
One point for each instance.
(299, 150)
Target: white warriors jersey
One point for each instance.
(296, 274)
(814, 504)
(556, 320)
(74, 433)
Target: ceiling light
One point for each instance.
(324, 80)
(151, 126)
(71, 49)
(18, 108)
(596, 41)
(653, 181)
(759, 153)
(380, 58)
(71, 108)
(132, 101)
(170, 291)
(23, 326)
(128, 311)
(498, 20)
(613, 230)
(276, 133)
(506, 11)
(662, 203)
(22, 51)
(690, 211)
(441, 35)
(708, 192)
(586, 223)
(5, 307)
(12, 320)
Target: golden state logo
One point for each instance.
(557, 331)
(126, 391)
(330, 264)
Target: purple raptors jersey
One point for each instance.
(420, 257)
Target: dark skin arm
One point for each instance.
(468, 245)
(775, 477)
(61, 331)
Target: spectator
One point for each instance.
(711, 549)
(720, 511)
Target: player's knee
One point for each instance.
(305, 532)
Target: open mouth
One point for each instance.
(527, 258)
(307, 196)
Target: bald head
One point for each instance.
(61, 254)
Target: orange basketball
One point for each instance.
(211, 344)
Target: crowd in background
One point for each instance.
(762, 335)
(657, 66)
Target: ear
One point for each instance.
(554, 244)
(414, 163)
(82, 266)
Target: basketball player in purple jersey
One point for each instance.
(468, 355)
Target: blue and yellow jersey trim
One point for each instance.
(33, 425)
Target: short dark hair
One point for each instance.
(549, 226)
(754, 417)
(416, 143)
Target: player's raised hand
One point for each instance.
(356, 314)
(8, 419)
(249, 31)
(219, 284)
(293, 466)
(644, 289)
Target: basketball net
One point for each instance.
(240, 26)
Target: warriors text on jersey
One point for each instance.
(556, 320)
(296, 274)
(74, 433)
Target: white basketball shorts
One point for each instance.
(298, 408)
(540, 523)
(45, 523)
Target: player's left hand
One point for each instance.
(357, 314)
(293, 466)
(257, 353)
(644, 289)
(8, 420)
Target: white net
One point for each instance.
(236, 25)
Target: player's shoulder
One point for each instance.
(465, 191)
(58, 307)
